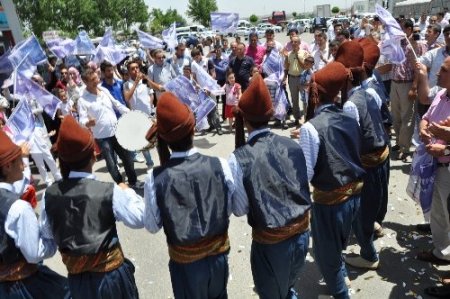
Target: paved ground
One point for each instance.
(399, 275)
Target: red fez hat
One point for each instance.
(174, 119)
(9, 151)
(350, 54)
(255, 103)
(330, 79)
(74, 143)
(371, 52)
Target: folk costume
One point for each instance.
(189, 196)
(22, 245)
(371, 57)
(331, 142)
(272, 190)
(365, 106)
(80, 214)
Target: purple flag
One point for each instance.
(83, 44)
(170, 36)
(61, 47)
(391, 44)
(224, 22)
(108, 39)
(5, 65)
(205, 80)
(30, 50)
(390, 24)
(29, 89)
(112, 54)
(21, 122)
(148, 41)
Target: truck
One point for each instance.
(323, 11)
(278, 17)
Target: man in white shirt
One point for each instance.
(96, 111)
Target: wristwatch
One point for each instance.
(447, 150)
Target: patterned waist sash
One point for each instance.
(337, 196)
(17, 271)
(104, 261)
(184, 254)
(279, 234)
(376, 158)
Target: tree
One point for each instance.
(66, 15)
(160, 20)
(200, 10)
(335, 10)
(253, 19)
(294, 14)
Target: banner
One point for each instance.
(224, 22)
(21, 122)
(170, 36)
(148, 41)
(5, 65)
(114, 55)
(108, 39)
(199, 102)
(61, 47)
(205, 80)
(29, 89)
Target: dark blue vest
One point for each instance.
(370, 121)
(9, 253)
(81, 215)
(192, 196)
(338, 162)
(275, 180)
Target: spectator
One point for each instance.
(241, 66)
(254, 50)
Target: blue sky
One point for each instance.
(258, 7)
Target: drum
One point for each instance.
(131, 130)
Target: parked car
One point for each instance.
(265, 26)
(306, 24)
(296, 24)
(242, 31)
(322, 24)
(261, 32)
(187, 38)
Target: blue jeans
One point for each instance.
(275, 267)
(331, 226)
(148, 158)
(109, 146)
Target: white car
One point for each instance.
(242, 31)
(261, 32)
(265, 26)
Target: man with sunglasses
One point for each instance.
(161, 72)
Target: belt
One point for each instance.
(443, 164)
(402, 81)
(293, 75)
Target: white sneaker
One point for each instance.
(359, 262)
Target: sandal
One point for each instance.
(406, 158)
(440, 292)
(428, 256)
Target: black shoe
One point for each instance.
(395, 148)
(284, 126)
(423, 228)
(219, 131)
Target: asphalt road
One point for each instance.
(399, 274)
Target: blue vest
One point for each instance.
(81, 215)
(9, 253)
(275, 180)
(338, 162)
(192, 196)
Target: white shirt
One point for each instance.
(65, 108)
(318, 62)
(433, 60)
(310, 143)
(128, 207)
(100, 107)
(22, 226)
(153, 222)
(140, 100)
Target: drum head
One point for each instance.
(131, 130)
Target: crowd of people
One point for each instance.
(345, 99)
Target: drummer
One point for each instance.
(139, 95)
(96, 111)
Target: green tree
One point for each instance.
(66, 15)
(160, 20)
(253, 19)
(335, 10)
(294, 14)
(200, 10)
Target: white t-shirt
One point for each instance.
(65, 108)
(140, 100)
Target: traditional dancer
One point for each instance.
(80, 214)
(190, 197)
(272, 189)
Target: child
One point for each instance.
(233, 94)
(305, 79)
(65, 107)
